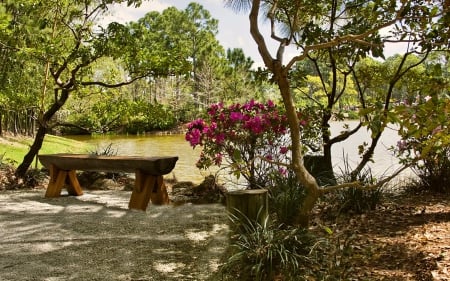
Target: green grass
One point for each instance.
(13, 149)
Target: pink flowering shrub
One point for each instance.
(249, 139)
(425, 141)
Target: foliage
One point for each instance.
(286, 197)
(105, 151)
(425, 134)
(264, 251)
(248, 139)
(150, 117)
(9, 181)
(91, 176)
(434, 172)
(7, 177)
(271, 251)
(361, 199)
(339, 34)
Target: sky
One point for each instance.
(234, 27)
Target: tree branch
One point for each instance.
(359, 185)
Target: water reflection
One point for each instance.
(384, 161)
(185, 170)
(153, 145)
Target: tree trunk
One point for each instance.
(41, 132)
(34, 149)
(1, 121)
(280, 76)
(298, 165)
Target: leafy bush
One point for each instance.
(247, 139)
(125, 116)
(425, 141)
(359, 200)
(434, 172)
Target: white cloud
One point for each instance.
(122, 13)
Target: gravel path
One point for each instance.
(95, 237)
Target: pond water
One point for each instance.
(185, 170)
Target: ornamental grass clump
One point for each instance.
(268, 252)
(249, 140)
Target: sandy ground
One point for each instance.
(95, 237)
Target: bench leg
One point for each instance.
(57, 181)
(146, 188)
(74, 187)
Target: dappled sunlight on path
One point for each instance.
(95, 237)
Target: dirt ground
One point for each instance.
(407, 238)
(95, 237)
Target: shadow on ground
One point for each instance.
(95, 237)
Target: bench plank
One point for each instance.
(151, 165)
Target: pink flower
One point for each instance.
(250, 129)
(255, 125)
(214, 108)
(218, 159)
(194, 137)
(220, 138)
(236, 116)
(303, 123)
(248, 106)
(198, 123)
(282, 171)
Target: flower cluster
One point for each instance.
(424, 129)
(248, 137)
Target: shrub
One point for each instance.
(280, 252)
(425, 141)
(264, 252)
(248, 139)
(434, 172)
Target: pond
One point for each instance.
(185, 170)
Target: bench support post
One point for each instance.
(146, 188)
(58, 179)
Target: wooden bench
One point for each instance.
(149, 173)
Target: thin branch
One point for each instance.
(346, 38)
(106, 85)
(359, 185)
(345, 135)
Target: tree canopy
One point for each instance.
(341, 33)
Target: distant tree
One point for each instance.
(67, 43)
(239, 84)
